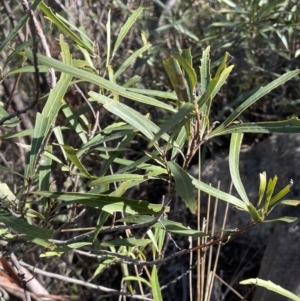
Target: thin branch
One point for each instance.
(82, 283)
(21, 274)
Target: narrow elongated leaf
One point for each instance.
(11, 122)
(55, 99)
(62, 26)
(103, 264)
(35, 234)
(107, 203)
(123, 144)
(100, 223)
(108, 37)
(135, 278)
(234, 155)
(256, 215)
(137, 120)
(72, 156)
(155, 93)
(262, 186)
(127, 242)
(184, 186)
(288, 203)
(252, 99)
(132, 165)
(281, 194)
(44, 175)
(219, 194)
(125, 28)
(164, 224)
(10, 170)
(180, 141)
(99, 81)
(269, 192)
(15, 30)
(289, 126)
(117, 178)
(271, 287)
(205, 71)
(215, 85)
(188, 68)
(286, 219)
(154, 245)
(10, 135)
(177, 120)
(130, 60)
(39, 134)
(27, 69)
(49, 114)
(7, 198)
(156, 291)
(177, 79)
(73, 120)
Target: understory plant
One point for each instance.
(96, 197)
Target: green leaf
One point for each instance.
(11, 135)
(286, 126)
(286, 219)
(103, 264)
(281, 194)
(9, 170)
(127, 242)
(117, 178)
(135, 278)
(288, 203)
(155, 93)
(99, 81)
(73, 120)
(234, 156)
(262, 186)
(269, 192)
(131, 116)
(205, 71)
(100, 223)
(180, 141)
(156, 291)
(108, 37)
(72, 156)
(44, 176)
(216, 83)
(125, 28)
(272, 287)
(107, 203)
(255, 214)
(177, 79)
(184, 186)
(39, 134)
(188, 68)
(35, 234)
(164, 224)
(49, 114)
(219, 194)
(127, 139)
(8, 123)
(252, 99)
(58, 21)
(27, 69)
(177, 120)
(129, 61)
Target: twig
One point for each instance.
(21, 274)
(82, 283)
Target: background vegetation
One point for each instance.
(75, 165)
